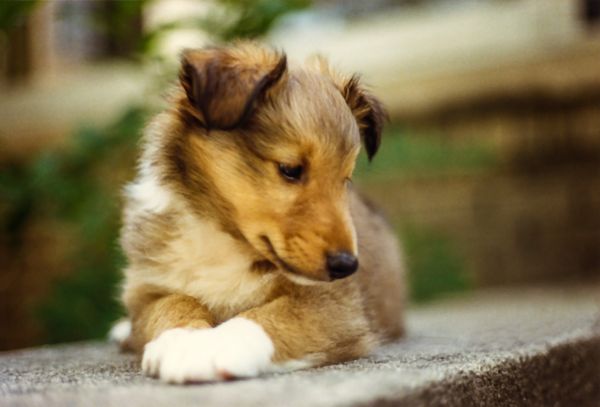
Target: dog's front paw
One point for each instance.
(237, 348)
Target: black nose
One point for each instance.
(341, 264)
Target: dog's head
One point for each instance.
(272, 148)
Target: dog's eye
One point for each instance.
(291, 172)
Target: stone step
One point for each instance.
(529, 347)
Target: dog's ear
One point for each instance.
(369, 113)
(224, 86)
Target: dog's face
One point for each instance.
(276, 148)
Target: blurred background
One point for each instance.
(489, 170)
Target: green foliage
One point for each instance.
(408, 154)
(232, 19)
(13, 13)
(435, 268)
(79, 183)
(249, 18)
(76, 186)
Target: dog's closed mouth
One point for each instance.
(280, 262)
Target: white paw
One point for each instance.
(120, 331)
(236, 348)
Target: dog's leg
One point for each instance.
(282, 335)
(161, 314)
(313, 332)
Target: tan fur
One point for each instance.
(212, 231)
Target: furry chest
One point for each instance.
(209, 265)
(229, 291)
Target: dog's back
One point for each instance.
(382, 271)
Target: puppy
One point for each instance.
(248, 249)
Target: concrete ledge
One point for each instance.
(525, 347)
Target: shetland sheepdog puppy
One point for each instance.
(248, 248)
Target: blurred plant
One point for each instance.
(249, 19)
(13, 13)
(232, 19)
(121, 24)
(409, 154)
(73, 186)
(86, 303)
(435, 268)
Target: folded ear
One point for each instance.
(369, 113)
(224, 85)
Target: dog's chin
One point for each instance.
(301, 279)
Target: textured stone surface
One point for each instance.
(520, 347)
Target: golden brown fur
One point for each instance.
(212, 231)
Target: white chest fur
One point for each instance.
(202, 261)
(206, 263)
